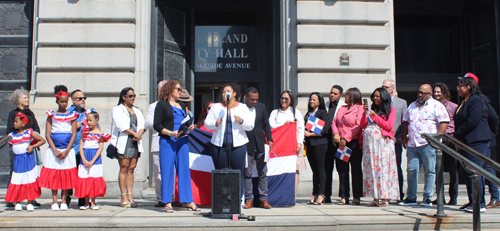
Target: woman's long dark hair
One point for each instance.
(474, 88)
(354, 96)
(385, 109)
(321, 102)
(124, 92)
(203, 115)
(292, 101)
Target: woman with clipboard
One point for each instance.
(169, 116)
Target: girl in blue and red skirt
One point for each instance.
(23, 184)
(91, 183)
(59, 169)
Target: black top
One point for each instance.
(493, 121)
(256, 136)
(164, 117)
(12, 117)
(332, 108)
(471, 121)
(318, 140)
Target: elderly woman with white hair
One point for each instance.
(20, 99)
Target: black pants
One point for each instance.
(316, 158)
(399, 150)
(236, 158)
(329, 162)
(450, 165)
(356, 172)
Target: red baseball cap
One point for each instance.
(471, 76)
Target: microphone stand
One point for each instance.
(228, 150)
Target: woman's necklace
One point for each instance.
(462, 104)
(235, 104)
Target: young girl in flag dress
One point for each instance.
(23, 184)
(91, 183)
(59, 169)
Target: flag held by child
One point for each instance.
(315, 125)
(343, 154)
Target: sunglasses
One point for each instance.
(130, 96)
(80, 98)
(285, 99)
(179, 89)
(386, 87)
(208, 108)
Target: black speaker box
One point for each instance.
(226, 187)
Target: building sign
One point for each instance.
(225, 49)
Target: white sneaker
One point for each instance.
(19, 207)
(84, 207)
(30, 208)
(64, 206)
(95, 207)
(55, 207)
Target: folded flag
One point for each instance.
(315, 125)
(343, 154)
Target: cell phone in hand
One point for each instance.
(365, 101)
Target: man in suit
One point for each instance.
(332, 105)
(400, 106)
(155, 148)
(255, 149)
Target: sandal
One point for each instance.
(168, 208)
(133, 204)
(342, 201)
(373, 203)
(312, 200)
(355, 202)
(383, 203)
(321, 201)
(189, 206)
(125, 204)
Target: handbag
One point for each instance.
(111, 150)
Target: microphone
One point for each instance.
(227, 95)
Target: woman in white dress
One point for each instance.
(287, 113)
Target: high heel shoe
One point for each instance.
(189, 206)
(321, 199)
(312, 200)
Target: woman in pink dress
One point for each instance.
(380, 173)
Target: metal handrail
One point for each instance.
(470, 166)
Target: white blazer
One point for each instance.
(150, 117)
(121, 121)
(239, 134)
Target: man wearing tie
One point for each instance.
(400, 105)
(255, 149)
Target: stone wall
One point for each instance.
(100, 47)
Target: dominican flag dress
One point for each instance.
(60, 173)
(90, 181)
(23, 184)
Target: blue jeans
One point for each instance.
(481, 147)
(417, 156)
(492, 188)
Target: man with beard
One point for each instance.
(425, 115)
(78, 99)
(332, 105)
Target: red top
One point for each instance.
(346, 122)
(205, 129)
(385, 125)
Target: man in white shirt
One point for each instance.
(155, 148)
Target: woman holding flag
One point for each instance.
(380, 173)
(346, 132)
(316, 144)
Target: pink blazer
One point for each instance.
(347, 123)
(385, 125)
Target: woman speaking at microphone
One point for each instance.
(230, 133)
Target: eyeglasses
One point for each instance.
(424, 93)
(285, 99)
(386, 87)
(179, 89)
(80, 98)
(208, 108)
(130, 96)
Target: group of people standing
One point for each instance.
(374, 133)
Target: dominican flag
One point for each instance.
(315, 125)
(280, 168)
(343, 154)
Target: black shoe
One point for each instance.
(35, 203)
(68, 200)
(10, 205)
(435, 202)
(426, 202)
(452, 202)
(81, 202)
(409, 202)
(464, 206)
